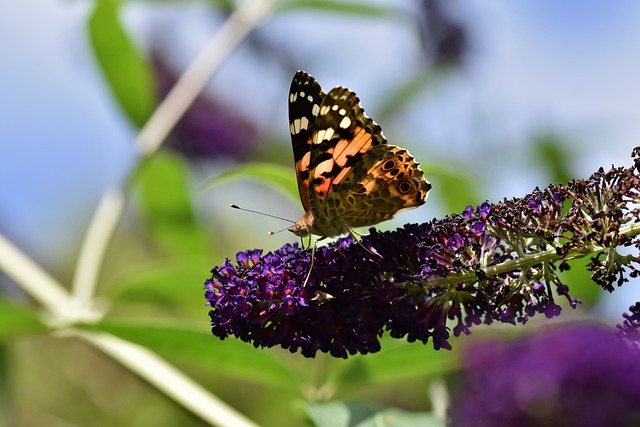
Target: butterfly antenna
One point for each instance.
(270, 233)
(265, 214)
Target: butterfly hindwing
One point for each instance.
(385, 182)
(305, 97)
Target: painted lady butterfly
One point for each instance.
(348, 176)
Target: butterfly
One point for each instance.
(348, 176)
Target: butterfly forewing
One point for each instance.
(305, 97)
(342, 134)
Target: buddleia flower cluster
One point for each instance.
(629, 329)
(496, 262)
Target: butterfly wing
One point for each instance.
(357, 179)
(386, 181)
(341, 135)
(305, 98)
(348, 176)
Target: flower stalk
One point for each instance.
(529, 261)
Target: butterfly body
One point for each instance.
(348, 176)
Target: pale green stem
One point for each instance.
(32, 278)
(94, 246)
(165, 378)
(248, 15)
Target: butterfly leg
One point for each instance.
(313, 260)
(353, 234)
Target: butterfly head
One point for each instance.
(303, 227)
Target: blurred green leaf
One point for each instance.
(128, 74)
(166, 205)
(552, 154)
(267, 173)
(453, 185)
(6, 394)
(199, 347)
(409, 89)
(398, 361)
(344, 7)
(164, 283)
(398, 418)
(578, 278)
(16, 321)
(358, 414)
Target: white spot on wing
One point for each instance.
(345, 123)
(315, 109)
(324, 110)
(334, 107)
(342, 112)
(328, 134)
(323, 135)
(293, 97)
(304, 123)
(310, 98)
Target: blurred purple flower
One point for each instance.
(209, 128)
(445, 39)
(582, 376)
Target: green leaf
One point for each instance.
(455, 188)
(398, 361)
(199, 347)
(352, 8)
(357, 414)
(398, 418)
(280, 176)
(408, 90)
(16, 321)
(339, 414)
(128, 74)
(166, 206)
(175, 284)
(7, 394)
(578, 278)
(552, 154)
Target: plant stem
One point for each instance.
(526, 261)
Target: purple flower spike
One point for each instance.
(493, 263)
(630, 328)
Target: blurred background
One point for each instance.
(493, 98)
